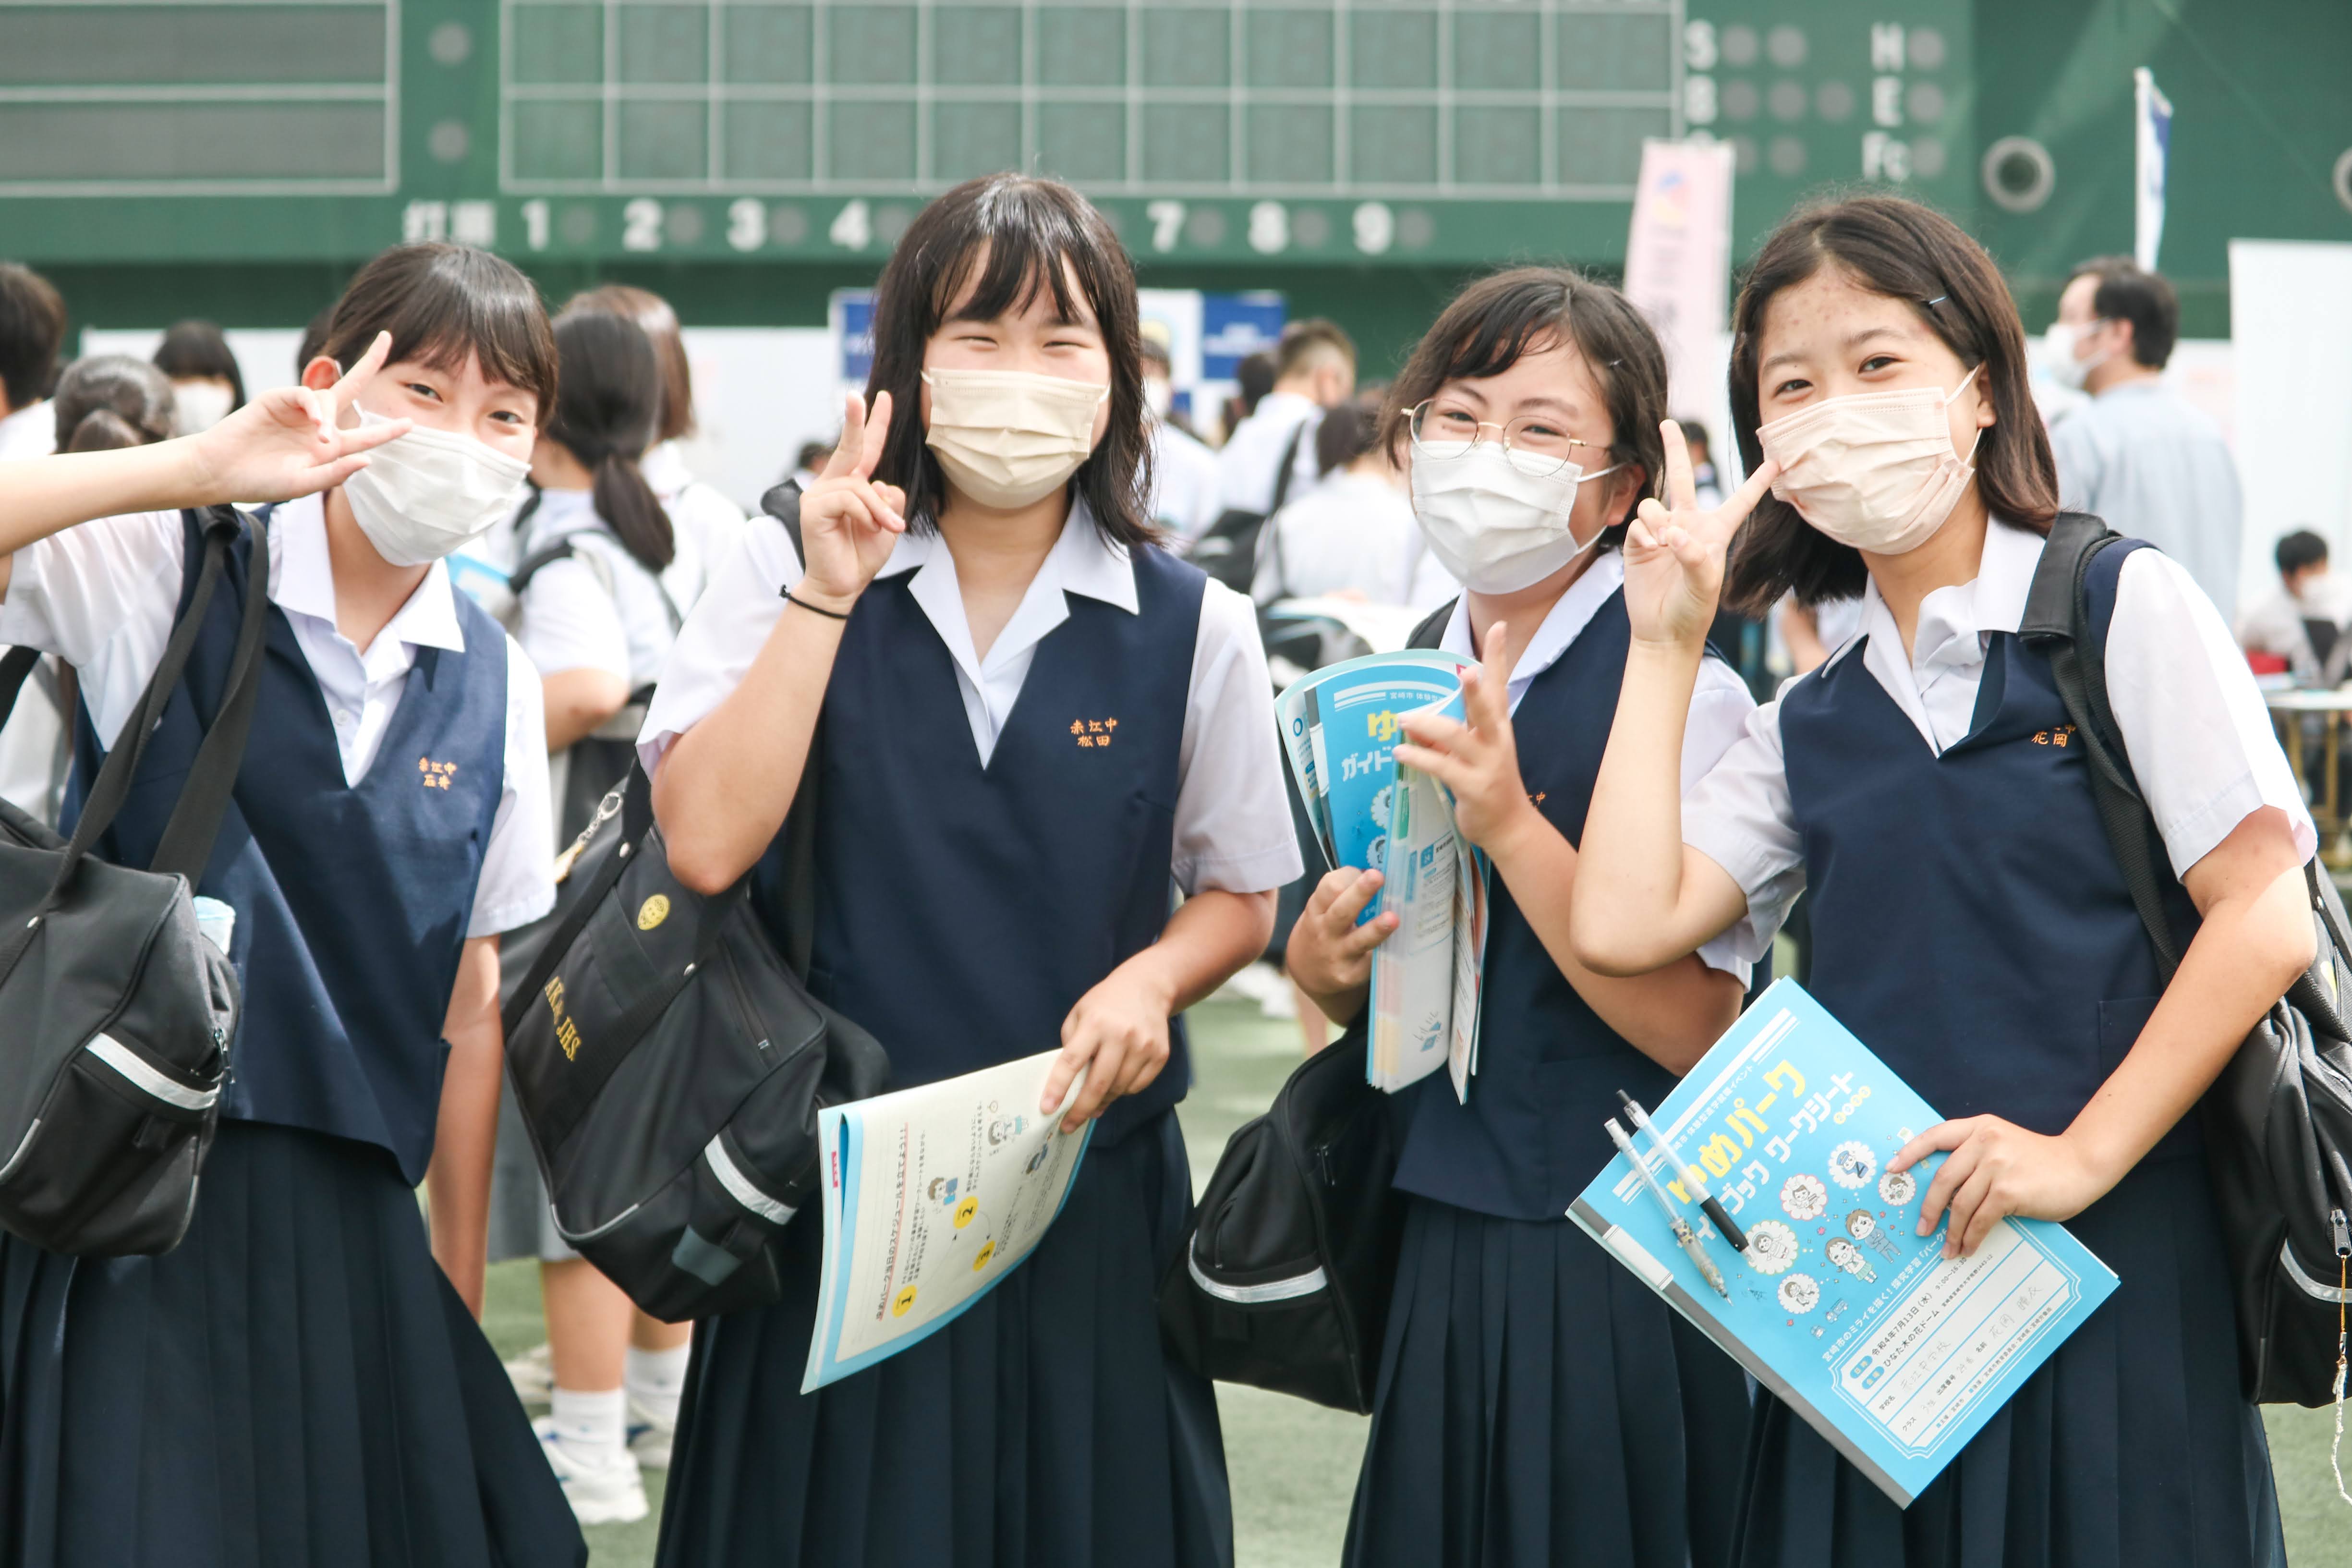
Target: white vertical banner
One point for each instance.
(2153, 118)
(1678, 266)
(2290, 336)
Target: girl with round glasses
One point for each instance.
(1537, 1404)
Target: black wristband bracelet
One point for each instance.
(820, 609)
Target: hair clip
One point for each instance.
(1938, 300)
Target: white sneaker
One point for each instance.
(601, 1489)
(533, 1375)
(650, 1436)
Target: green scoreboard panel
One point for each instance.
(1307, 130)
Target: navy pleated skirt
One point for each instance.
(2131, 1448)
(1044, 1428)
(295, 1385)
(1538, 1405)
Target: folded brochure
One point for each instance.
(931, 1195)
(1341, 728)
(1893, 1354)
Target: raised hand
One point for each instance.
(1674, 550)
(1479, 761)
(290, 441)
(848, 522)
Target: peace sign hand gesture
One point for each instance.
(848, 522)
(290, 441)
(1478, 760)
(1674, 550)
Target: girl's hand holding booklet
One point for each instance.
(1340, 727)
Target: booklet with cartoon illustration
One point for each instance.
(1892, 1353)
(1341, 728)
(931, 1195)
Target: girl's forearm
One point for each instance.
(39, 495)
(724, 789)
(1206, 943)
(1671, 1015)
(466, 1135)
(2248, 951)
(1629, 897)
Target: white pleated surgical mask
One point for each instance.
(427, 494)
(2059, 344)
(1007, 437)
(1493, 525)
(1872, 469)
(198, 406)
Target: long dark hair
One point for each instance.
(195, 350)
(1501, 317)
(1914, 253)
(1028, 228)
(654, 313)
(445, 304)
(607, 408)
(109, 401)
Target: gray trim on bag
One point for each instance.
(738, 1185)
(25, 1142)
(1255, 1295)
(146, 1080)
(2304, 1282)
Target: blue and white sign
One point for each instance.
(2154, 148)
(850, 313)
(1236, 326)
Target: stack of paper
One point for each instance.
(1340, 727)
(933, 1195)
(1894, 1354)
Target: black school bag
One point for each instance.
(120, 1013)
(669, 1063)
(2278, 1121)
(1228, 550)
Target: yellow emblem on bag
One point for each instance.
(653, 911)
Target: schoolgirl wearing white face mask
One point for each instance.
(1503, 1431)
(1032, 720)
(297, 1382)
(1969, 922)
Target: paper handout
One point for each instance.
(1895, 1355)
(931, 1195)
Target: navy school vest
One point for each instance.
(1970, 924)
(1548, 1069)
(963, 910)
(351, 899)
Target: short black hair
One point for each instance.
(193, 350)
(1035, 235)
(2298, 550)
(1694, 434)
(814, 455)
(445, 304)
(32, 329)
(1253, 379)
(1346, 433)
(2128, 292)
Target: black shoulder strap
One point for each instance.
(1282, 475)
(2058, 621)
(1432, 632)
(14, 669)
(784, 504)
(538, 560)
(186, 845)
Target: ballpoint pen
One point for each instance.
(1682, 1231)
(1706, 1201)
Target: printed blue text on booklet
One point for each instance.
(1892, 1353)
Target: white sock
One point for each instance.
(598, 1422)
(657, 1379)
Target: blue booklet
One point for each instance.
(1893, 1354)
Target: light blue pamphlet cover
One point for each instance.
(1894, 1355)
(1361, 712)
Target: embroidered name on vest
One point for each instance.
(1093, 732)
(436, 775)
(2057, 737)
(567, 1032)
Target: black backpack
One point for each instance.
(2278, 1121)
(1228, 551)
(1284, 1277)
(119, 1012)
(669, 1063)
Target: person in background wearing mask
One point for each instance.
(2138, 456)
(2303, 620)
(1970, 922)
(597, 622)
(980, 584)
(705, 524)
(1183, 471)
(1314, 368)
(302, 1380)
(1353, 533)
(1536, 1405)
(32, 329)
(207, 384)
